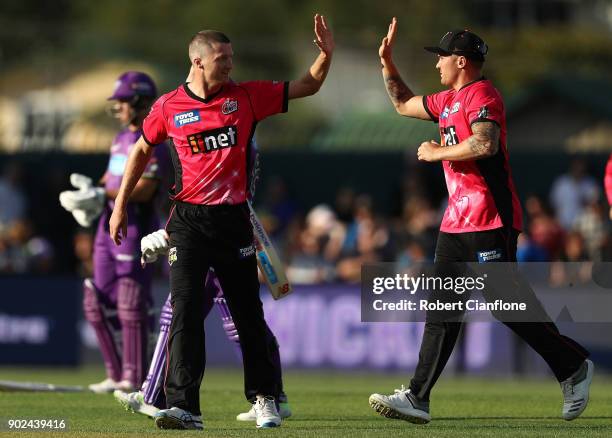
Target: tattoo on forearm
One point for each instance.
(397, 89)
(485, 140)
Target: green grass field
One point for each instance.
(325, 404)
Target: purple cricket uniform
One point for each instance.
(119, 281)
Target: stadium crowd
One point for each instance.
(327, 243)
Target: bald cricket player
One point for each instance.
(210, 122)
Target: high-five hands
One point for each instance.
(386, 46)
(324, 38)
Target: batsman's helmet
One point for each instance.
(132, 85)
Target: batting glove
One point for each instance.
(153, 245)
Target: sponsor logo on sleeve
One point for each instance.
(445, 113)
(489, 256)
(182, 119)
(229, 106)
(483, 112)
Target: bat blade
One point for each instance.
(268, 260)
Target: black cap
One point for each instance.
(463, 43)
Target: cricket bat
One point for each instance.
(268, 261)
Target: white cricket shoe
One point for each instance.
(402, 405)
(284, 411)
(177, 418)
(134, 402)
(576, 391)
(266, 415)
(106, 386)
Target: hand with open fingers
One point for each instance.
(428, 151)
(386, 47)
(118, 225)
(153, 245)
(324, 38)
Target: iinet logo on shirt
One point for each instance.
(213, 139)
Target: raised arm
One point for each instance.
(404, 100)
(311, 82)
(135, 166)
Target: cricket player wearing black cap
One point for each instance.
(480, 225)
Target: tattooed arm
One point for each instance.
(403, 99)
(483, 143)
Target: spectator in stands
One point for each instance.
(542, 226)
(420, 223)
(529, 251)
(24, 252)
(344, 205)
(83, 250)
(13, 201)
(366, 241)
(308, 263)
(594, 227)
(278, 209)
(573, 266)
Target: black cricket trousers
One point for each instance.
(562, 354)
(221, 237)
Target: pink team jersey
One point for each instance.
(210, 137)
(608, 180)
(481, 193)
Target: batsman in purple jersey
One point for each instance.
(119, 297)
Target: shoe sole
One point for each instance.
(268, 425)
(589, 379)
(238, 418)
(168, 422)
(389, 412)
